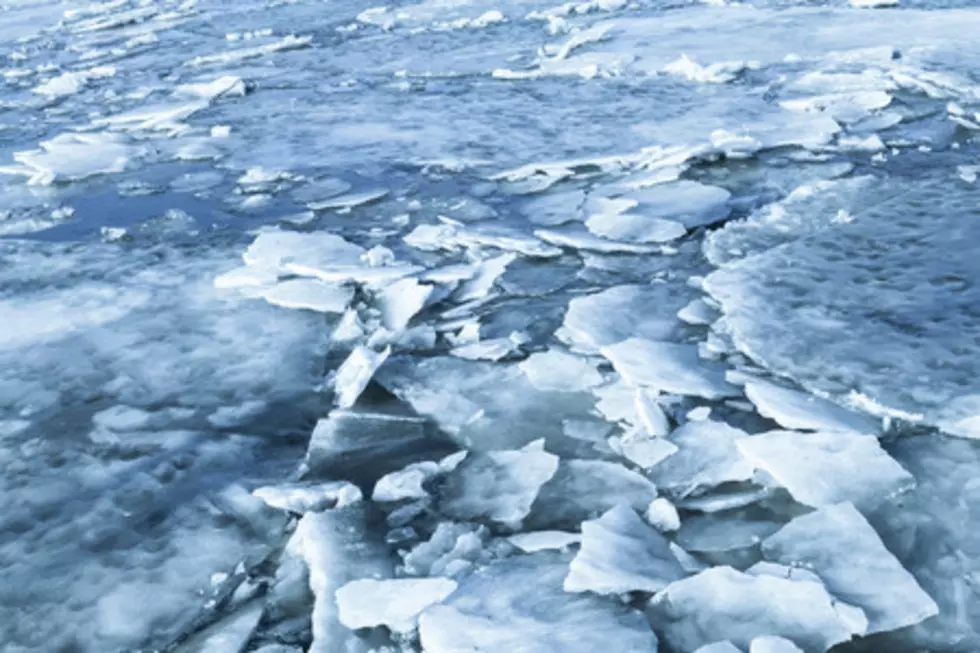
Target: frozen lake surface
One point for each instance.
(472, 325)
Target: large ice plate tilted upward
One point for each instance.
(668, 367)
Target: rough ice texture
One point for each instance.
(910, 316)
(312, 497)
(394, 602)
(707, 457)
(793, 409)
(724, 604)
(668, 367)
(823, 468)
(519, 605)
(621, 554)
(838, 544)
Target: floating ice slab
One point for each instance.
(349, 201)
(773, 644)
(707, 457)
(544, 540)
(299, 253)
(635, 227)
(792, 409)
(579, 238)
(823, 468)
(668, 367)
(227, 85)
(689, 203)
(405, 484)
(70, 83)
(73, 157)
(519, 605)
(617, 313)
(620, 554)
(394, 602)
(498, 486)
(493, 350)
(643, 450)
(232, 56)
(356, 372)
(839, 545)
(559, 371)
(716, 73)
(230, 635)
(400, 302)
(584, 489)
(724, 604)
(555, 208)
(309, 497)
(697, 312)
(719, 647)
(309, 294)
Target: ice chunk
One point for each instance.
(349, 201)
(773, 644)
(635, 227)
(486, 275)
(309, 497)
(494, 350)
(839, 545)
(290, 42)
(823, 468)
(559, 371)
(697, 312)
(724, 604)
(75, 156)
(798, 410)
(690, 203)
(719, 647)
(499, 486)
(301, 253)
(544, 540)
(668, 367)
(395, 602)
(310, 294)
(71, 83)
(158, 118)
(230, 635)
(641, 449)
(406, 483)
(452, 551)
(873, 4)
(356, 372)
(584, 489)
(578, 238)
(716, 73)
(650, 413)
(612, 315)
(621, 554)
(227, 85)
(519, 605)
(555, 209)
(662, 515)
(400, 302)
(707, 457)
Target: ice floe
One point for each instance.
(74, 157)
(707, 457)
(668, 367)
(394, 602)
(793, 409)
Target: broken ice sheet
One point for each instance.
(75, 156)
(544, 540)
(400, 302)
(634, 227)
(620, 554)
(560, 371)
(668, 367)
(310, 497)
(823, 468)
(518, 604)
(690, 203)
(499, 486)
(309, 294)
(582, 239)
(724, 604)
(405, 483)
(707, 457)
(793, 409)
(356, 372)
(838, 544)
(395, 602)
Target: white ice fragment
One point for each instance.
(773, 644)
(310, 294)
(453, 548)
(579, 238)
(159, 118)
(642, 449)
(222, 86)
(793, 409)
(716, 73)
(356, 372)
(73, 157)
(690, 203)
(486, 276)
(725, 646)
(518, 605)
(544, 540)
(651, 414)
(405, 483)
(823, 468)
(313, 497)
(612, 315)
(349, 201)
(349, 328)
(220, 131)
(290, 42)
(395, 602)
(499, 486)
(697, 312)
(668, 367)
(699, 414)
(493, 350)
(662, 515)
(634, 227)
(721, 604)
(620, 554)
(707, 457)
(839, 545)
(70, 83)
(560, 371)
(400, 302)
(873, 4)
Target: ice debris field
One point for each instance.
(449, 326)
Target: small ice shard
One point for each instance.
(650, 413)
(668, 367)
(719, 647)
(349, 329)
(75, 156)
(773, 644)
(230, 635)
(452, 551)
(518, 604)
(727, 499)
(160, 118)
(708, 457)
(544, 540)
(721, 604)
(579, 238)
(309, 294)
(716, 73)
(405, 483)
(621, 554)
(289, 42)
(662, 515)
(690, 203)
(699, 414)
(72, 82)
(356, 372)
(499, 486)
(338, 548)
(823, 468)
(559, 371)
(698, 313)
(641, 449)
(364, 446)
(584, 489)
(401, 301)
(612, 315)
(838, 544)
(227, 85)
(348, 201)
(309, 497)
(394, 602)
(482, 282)
(634, 228)
(320, 189)
(793, 409)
